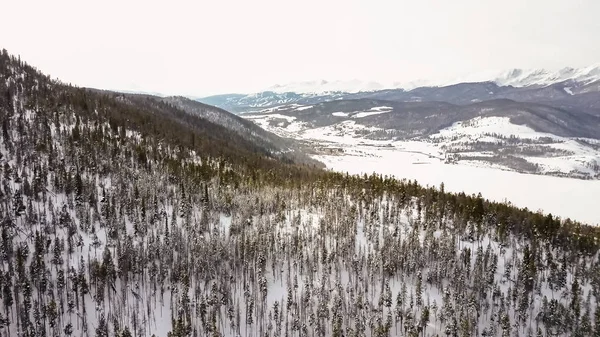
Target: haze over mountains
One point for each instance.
(513, 77)
(517, 84)
(532, 121)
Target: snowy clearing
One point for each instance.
(373, 111)
(480, 126)
(340, 114)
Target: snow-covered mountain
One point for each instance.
(536, 85)
(514, 77)
(542, 77)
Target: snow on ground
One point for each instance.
(263, 119)
(564, 197)
(277, 108)
(479, 127)
(286, 126)
(346, 132)
(562, 164)
(424, 160)
(373, 111)
(572, 157)
(361, 114)
(340, 114)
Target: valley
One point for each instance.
(488, 155)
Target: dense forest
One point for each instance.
(123, 215)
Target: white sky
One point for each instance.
(219, 46)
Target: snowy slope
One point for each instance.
(552, 154)
(542, 77)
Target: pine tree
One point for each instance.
(102, 328)
(424, 319)
(505, 325)
(539, 333)
(575, 304)
(419, 290)
(597, 320)
(126, 332)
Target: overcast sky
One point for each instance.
(219, 46)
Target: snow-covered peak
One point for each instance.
(524, 78)
(323, 86)
(514, 77)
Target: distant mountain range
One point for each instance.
(521, 85)
(512, 77)
(527, 121)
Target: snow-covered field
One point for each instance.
(373, 111)
(425, 160)
(564, 197)
(552, 154)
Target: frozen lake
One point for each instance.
(565, 197)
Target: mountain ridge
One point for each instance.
(458, 93)
(515, 77)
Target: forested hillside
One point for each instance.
(126, 216)
(283, 147)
